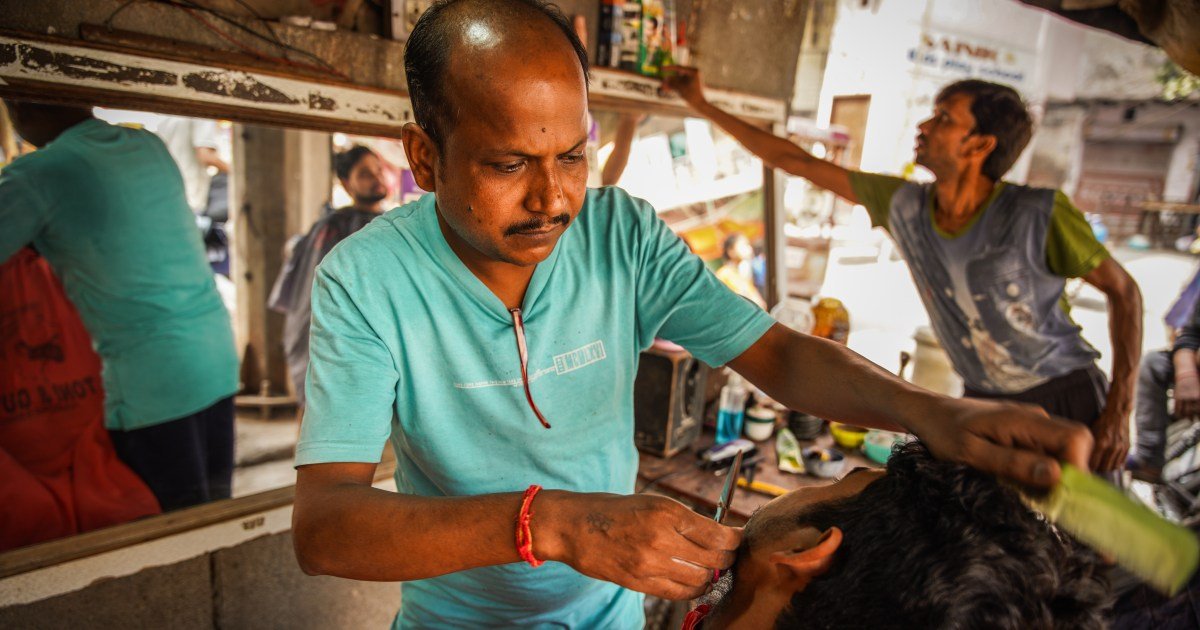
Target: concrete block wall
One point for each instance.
(256, 584)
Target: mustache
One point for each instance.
(533, 225)
(370, 198)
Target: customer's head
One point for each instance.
(499, 92)
(975, 124)
(360, 171)
(39, 123)
(926, 544)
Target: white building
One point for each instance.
(887, 59)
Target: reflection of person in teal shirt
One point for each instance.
(105, 205)
(491, 332)
(989, 258)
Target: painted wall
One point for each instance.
(901, 52)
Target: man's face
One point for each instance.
(366, 184)
(513, 172)
(941, 139)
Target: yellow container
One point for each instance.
(847, 436)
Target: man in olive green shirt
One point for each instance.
(989, 258)
(105, 205)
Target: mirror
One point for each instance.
(703, 184)
(254, 193)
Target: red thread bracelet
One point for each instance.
(524, 535)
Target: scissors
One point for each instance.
(726, 499)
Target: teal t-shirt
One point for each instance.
(407, 343)
(105, 206)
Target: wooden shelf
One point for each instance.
(106, 73)
(626, 90)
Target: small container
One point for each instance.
(805, 426)
(731, 409)
(878, 445)
(847, 436)
(831, 320)
(760, 423)
(824, 462)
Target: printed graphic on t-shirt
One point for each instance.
(1003, 323)
(562, 364)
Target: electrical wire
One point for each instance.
(111, 16)
(190, 7)
(197, 17)
(273, 39)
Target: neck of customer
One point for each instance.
(959, 196)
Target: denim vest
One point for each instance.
(992, 299)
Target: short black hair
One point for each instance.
(730, 242)
(345, 161)
(999, 112)
(934, 544)
(427, 54)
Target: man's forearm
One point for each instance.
(614, 167)
(1184, 361)
(359, 532)
(1125, 332)
(831, 381)
(777, 152)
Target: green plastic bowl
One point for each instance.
(877, 446)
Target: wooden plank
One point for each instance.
(99, 541)
(164, 48)
(645, 94)
(59, 70)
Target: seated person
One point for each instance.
(926, 544)
(1162, 372)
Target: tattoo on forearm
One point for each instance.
(598, 523)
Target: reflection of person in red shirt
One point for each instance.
(59, 474)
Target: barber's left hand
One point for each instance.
(1111, 435)
(1013, 440)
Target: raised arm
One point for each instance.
(614, 167)
(827, 379)
(777, 152)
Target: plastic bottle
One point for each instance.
(831, 320)
(731, 409)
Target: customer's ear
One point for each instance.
(801, 564)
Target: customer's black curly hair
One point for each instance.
(934, 544)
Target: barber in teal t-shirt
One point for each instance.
(491, 332)
(105, 205)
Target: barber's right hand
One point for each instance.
(686, 82)
(646, 543)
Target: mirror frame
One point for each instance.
(216, 84)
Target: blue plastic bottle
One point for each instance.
(731, 409)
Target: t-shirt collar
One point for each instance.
(473, 286)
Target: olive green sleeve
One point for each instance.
(1072, 250)
(874, 192)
